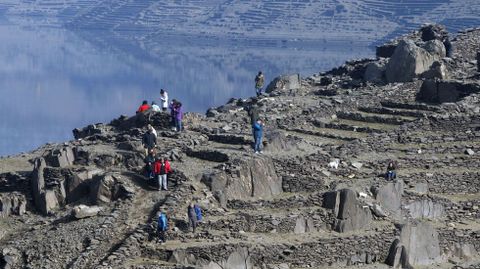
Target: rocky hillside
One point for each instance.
(85, 203)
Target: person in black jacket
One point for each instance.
(149, 140)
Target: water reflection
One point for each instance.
(53, 80)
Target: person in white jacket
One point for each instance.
(164, 99)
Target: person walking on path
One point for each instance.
(257, 135)
(259, 81)
(172, 113)
(144, 107)
(178, 116)
(162, 227)
(149, 162)
(192, 216)
(164, 99)
(162, 169)
(149, 140)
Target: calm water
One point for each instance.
(59, 73)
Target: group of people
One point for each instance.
(156, 167)
(175, 107)
(194, 214)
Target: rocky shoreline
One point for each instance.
(85, 203)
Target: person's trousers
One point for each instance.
(193, 224)
(178, 125)
(259, 91)
(258, 143)
(162, 181)
(162, 236)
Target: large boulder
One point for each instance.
(60, 157)
(249, 177)
(109, 187)
(418, 245)
(389, 196)
(442, 91)
(409, 60)
(12, 204)
(425, 209)
(284, 82)
(375, 72)
(350, 213)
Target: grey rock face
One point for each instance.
(253, 177)
(375, 72)
(12, 204)
(284, 82)
(418, 245)
(390, 198)
(437, 70)
(426, 209)
(352, 215)
(410, 60)
(108, 187)
(446, 90)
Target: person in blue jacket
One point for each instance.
(257, 135)
(162, 227)
(198, 212)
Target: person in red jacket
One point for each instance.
(161, 169)
(143, 107)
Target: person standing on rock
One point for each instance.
(391, 174)
(162, 227)
(192, 216)
(259, 81)
(164, 99)
(448, 47)
(162, 169)
(172, 106)
(149, 140)
(144, 107)
(257, 135)
(178, 116)
(149, 162)
(254, 114)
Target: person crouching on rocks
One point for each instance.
(144, 107)
(149, 162)
(257, 135)
(162, 227)
(162, 169)
(192, 216)
(391, 174)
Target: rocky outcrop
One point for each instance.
(409, 60)
(284, 83)
(250, 177)
(350, 213)
(441, 91)
(109, 187)
(375, 72)
(12, 204)
(427, 209)
(418, 245)
(389, 196)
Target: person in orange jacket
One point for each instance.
(161, 169)
(143, 107)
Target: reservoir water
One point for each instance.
(66, 64)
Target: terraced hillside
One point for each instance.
(285, 208)
(366, 20)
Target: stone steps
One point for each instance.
(395, 111)
(375, 118)
(359, 126)
(411, 106)
(315, 248)
(336, 134)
